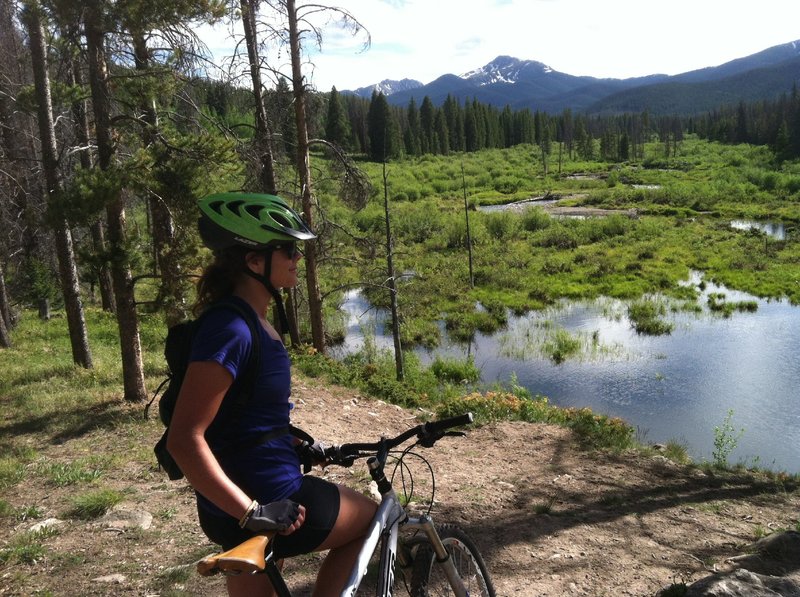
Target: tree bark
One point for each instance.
(5, 312)
(398, 349)
(70, 286)
(263, 136)
(127, 320)
(304, 171)
(18, 135)
(98, 234)
(171, 297)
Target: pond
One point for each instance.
(774, 230)
(673, 387)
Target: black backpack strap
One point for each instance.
(300, 434)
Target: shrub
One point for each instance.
(455, 370)
(535, 218)
(507, 185)
(501, 225)
(557, 237)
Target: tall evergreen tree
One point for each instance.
(427, 115)
(411, 136)
(127, 319)
(384, 141)
(337, 127)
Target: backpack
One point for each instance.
(177, 350)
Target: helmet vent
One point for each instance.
(281, 219)
(216, 206)
(235, 205)
(254, 210)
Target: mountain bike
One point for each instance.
(432, 559)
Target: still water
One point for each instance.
(674, 387)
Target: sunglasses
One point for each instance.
(291, 250)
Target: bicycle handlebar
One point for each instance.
(427, 434)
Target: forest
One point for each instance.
(115, 121)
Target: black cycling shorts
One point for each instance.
(321, 500)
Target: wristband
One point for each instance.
(248, 513)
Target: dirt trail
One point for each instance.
(550, 519)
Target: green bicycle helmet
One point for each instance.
(251, 220)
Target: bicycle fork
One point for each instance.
(425, 524)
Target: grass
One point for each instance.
(25, 548)
(645, 317)
(94, 504)
(527, 260)
(70, 473)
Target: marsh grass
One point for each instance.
(527, 260)
(646, 317)
(542, 337)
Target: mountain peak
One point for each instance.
(504, 69)
(388, 87)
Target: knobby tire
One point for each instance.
(429, 580)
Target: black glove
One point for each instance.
(310, 454)
(275, 516)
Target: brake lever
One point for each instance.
(333, 455)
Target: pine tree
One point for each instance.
(427, 115)
(337, 127)
(411, 135)
(383, 131)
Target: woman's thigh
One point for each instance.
(355, 513)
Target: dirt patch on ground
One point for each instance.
(550, 519)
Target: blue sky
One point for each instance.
(423, 39)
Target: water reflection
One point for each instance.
(678, 386)
(774, 230)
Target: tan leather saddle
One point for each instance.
(245, 558)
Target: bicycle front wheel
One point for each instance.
(428, 578)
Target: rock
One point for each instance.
(121, 519)
(777, 555)
(770, 568)
(743, 583)
(46, 524)
(116, 579)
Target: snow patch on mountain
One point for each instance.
(388, 87)
(503, 69)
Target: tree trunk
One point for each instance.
(304, 171)
(5, 314)
(127, 320)
(398, 349)
(70, 286)
(18, 137)
(263, 136)
(98, 235)
(171, 296)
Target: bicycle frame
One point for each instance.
(385, 527)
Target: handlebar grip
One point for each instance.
(444, 424)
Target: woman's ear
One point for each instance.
(254, 261)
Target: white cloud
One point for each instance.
(423, 39)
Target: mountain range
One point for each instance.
(529, 84)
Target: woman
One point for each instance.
(242, 491)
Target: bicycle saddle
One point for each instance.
(245, 558)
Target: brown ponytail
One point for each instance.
(219, 277)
